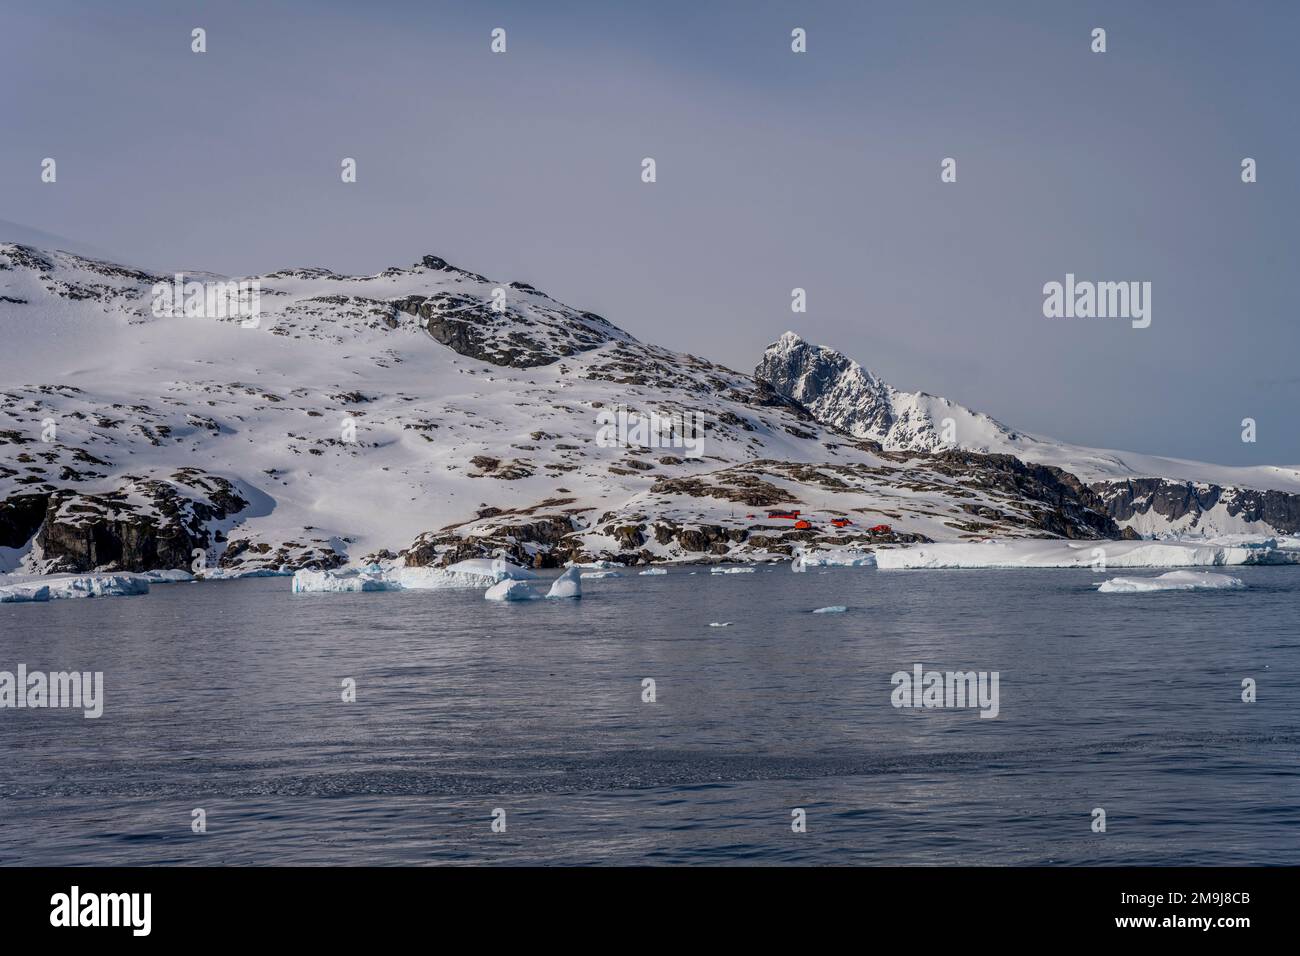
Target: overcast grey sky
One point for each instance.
(775, 170)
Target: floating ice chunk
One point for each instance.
(23, 593)
(1172, 581)
(494, 569)
(833, 609)
(317, 582)
(172, 576)
(840, 558)
(62, 587)
(597, 575)
(432, 579)
(510, 590)
(97, 585)
(731, 570)
(567, 585)
(652, 571)
(721, 623)
(800, 563)
(225, 574)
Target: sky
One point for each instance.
(775, 170)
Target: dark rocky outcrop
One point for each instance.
(147, 525)
(20, 518)
(471, 326)
(1070, 509)
(548, 534)
(1180, 500)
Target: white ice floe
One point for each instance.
(1172, 581)
(652, 571)
(1058, 553)
(567, 585)
(597, 575)
(497, 569)
(62, 587)
(731, 570)
(237, 574)
(23, 593)
(511, 590)
(721, 623)
(97, 585)
(839, 558)
(833, 609)
(173, 576)
(336, 582)
(473, 573)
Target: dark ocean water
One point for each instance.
(227, 696)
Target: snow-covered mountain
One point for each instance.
(1150, 494)
(427, 413)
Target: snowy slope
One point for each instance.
(1221, 499)
(400, 414)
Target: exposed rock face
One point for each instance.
(499, 330)
(1073, 509)
(543, 542)
(146, 525)
(840, 393)
(828, 384)
(305, 551)
(1185, 502)
(20, 518)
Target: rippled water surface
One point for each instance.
(227, 696)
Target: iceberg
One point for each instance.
(497, 569)
(652, 571)
(473, 573)
(511, 590)
(98, 585)
(567, 585)
(600, 574)
(338, 582)
(731, 570)
(833, 609)
(173, 576)
(839, 558)
(1172, 581)
(456, 576)
(23, 593)
(63, 587)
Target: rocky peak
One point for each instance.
(837, 390)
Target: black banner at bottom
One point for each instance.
(338, 904)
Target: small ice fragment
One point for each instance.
(567, 585)
(508, 590)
